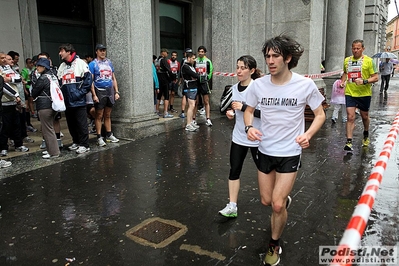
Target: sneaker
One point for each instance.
(348, 146)
(93, 131)
(357, 112)
(161, 102)
(61, 135)
(344, 120)
(167, 115)
(173, 110)
(22, 149)
(333, 120)
(365, 142)
(73, 147)
(182, 115)
(288, 202)
(272, 257)
(229, 211)
(28, 140)
(4, 164)
(11, 143)
(82, 149)
(4, 153)
(43, 145)
(48, 156)
(60, 145)
(208, 123)
(101, 142)
(194, 124)
(190, 127)
(202, 111)
(31, 129)
(112, 139)
(34, 115)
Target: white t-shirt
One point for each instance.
(239, 135)
(282, 112)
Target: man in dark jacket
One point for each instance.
(76, 80)
(164, 76)
(3, 163)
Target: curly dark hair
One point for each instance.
(286, 46)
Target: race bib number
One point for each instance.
(68, 77)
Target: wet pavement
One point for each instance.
(91, 207)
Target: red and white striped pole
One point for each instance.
(357, 224)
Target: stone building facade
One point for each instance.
(134, 30)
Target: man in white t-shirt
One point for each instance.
(282, 97)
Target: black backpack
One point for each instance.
(226, 99)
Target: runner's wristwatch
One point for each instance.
(247, 128)
(365, 81)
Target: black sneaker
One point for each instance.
(348, 146)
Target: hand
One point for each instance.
(236, 105)
(7, 79)
(303, 141)
(117, 96)
(254, 134)
(359, 81)
(230, 114)
(95, 99)
(343, 84)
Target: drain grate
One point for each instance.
(156, 232)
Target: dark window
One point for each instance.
(71, 9)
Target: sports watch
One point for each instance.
(247, 128)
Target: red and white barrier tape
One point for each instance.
(225, 74)
(312, 76)
(322, 75)
(358, 222)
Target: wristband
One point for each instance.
(247, 128)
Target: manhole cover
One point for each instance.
(156, 232)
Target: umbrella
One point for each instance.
(395, 61)
(384, 55)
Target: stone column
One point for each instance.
(355, 23)
(128, 28)
(237, 28)
(29, 29)
(337, 21)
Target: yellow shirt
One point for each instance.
(362, 67)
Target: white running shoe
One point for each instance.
(82, 149)
(4, 164)
(112, 139)
(73, 147)
(101, 142)
(191, 128)
(194, 124)
(229, 211)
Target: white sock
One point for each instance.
(233, 204)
